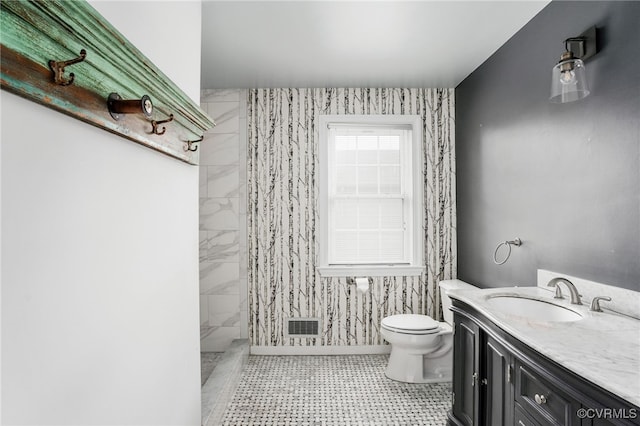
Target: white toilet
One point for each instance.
(422, 348)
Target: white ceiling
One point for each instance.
(353, 43)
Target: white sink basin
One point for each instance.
(533, 309)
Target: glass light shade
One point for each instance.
(568, 81)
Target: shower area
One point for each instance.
(223, 247)
(223, 250)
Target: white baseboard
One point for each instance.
(320, 350)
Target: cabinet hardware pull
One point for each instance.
(155, 128)
(474, 379)
(485, 382)
(540, 399)
(58, 69)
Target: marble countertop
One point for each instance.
(602, 347)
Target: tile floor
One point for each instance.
(332, 390)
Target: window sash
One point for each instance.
(366, 242)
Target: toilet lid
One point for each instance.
(411, 323)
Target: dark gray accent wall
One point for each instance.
(563, 177)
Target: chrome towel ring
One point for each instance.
(517, 242)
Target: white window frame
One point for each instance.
(415, 265)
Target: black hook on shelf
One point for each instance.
(189, 144)
(58, 69)
(155, 123)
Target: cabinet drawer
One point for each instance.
(543, 401)
(522, 419)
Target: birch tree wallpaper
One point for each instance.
(282, 216)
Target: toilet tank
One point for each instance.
(445, 286)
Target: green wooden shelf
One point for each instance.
(35, 32)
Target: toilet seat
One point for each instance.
(411, 324)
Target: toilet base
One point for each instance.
(416, 368)
(436, 378)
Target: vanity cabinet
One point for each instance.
(545, 402)
(466, 399)
(482, 375)
(499, 381)
(496, 382)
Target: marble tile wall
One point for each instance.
(223, 247)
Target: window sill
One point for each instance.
(370, 270)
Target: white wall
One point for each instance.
(168, 32)
(100, 255)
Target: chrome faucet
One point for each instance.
(575, 297)
(595, 303)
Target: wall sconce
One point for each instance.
(568, 78)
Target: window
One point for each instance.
(370, 195)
